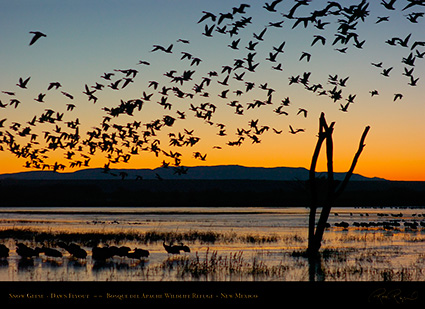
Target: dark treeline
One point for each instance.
(202, 193)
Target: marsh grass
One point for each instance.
(346, 256)
(212, 266)
(117, 236)
(413, 238)
(293, 239)
(364, 237)
(370, 273)
(384, 262)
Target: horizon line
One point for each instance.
(194, 166)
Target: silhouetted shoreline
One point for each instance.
(200, 193)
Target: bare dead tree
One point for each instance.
(315, 233)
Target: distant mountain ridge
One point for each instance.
(218, 172)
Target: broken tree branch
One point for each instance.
(353, 164)
(325, 133)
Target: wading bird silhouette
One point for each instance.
(171, 249)
(26, 252)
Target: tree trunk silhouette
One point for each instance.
(315, 234)
(313, 182)
(315, 268)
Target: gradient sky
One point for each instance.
(87, 38)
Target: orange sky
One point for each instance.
(395, 160)
(78, 53)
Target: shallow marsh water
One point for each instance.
(248, 244)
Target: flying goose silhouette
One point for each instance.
(37, 35)
(23, 83)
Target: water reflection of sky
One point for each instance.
(148, 218)
(374, 249)
(192, 217)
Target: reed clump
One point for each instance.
(259, 239)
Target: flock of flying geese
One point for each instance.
(120, 141)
